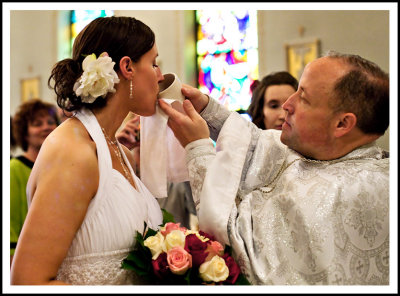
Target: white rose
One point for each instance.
(173, 239)
(214, 270)
(155, 243)
(98, 78)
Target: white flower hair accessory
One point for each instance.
(98, 78)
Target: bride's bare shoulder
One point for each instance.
(70, 136)
(69, 147)
(67, 154)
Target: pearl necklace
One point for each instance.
(284, 167)
(118, 154)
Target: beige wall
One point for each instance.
(33, 50)
(365, 33)
(34, 35)
(362, 32)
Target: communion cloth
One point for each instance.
(162, 157)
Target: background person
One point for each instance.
(32, 123)
(268, 97)
(129, 136)
(13, 143)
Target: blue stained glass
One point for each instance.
(229, 59)
(73, 17)
(227, 55)
(243, 23)
(80, 18)
(207, 80)
(88, 15)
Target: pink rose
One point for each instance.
(168, 227)
(179, 261)
(197, 248)
(214, 248)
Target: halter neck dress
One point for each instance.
(108, 231)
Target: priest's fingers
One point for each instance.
(189, 109)
(169, 111)
(186, 128)
(198, 99)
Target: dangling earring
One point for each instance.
(131, 91)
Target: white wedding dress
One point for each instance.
(108, 231)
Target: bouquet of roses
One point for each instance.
(178, 256)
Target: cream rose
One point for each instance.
(173, 239)
(98, 78)
(214, 270)
(155, 243)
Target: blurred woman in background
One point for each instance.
(31, 125)
(268, 97)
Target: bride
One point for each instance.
(85, 201)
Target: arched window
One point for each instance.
(227, 55)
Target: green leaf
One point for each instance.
(228, 249)
(139, 239)
(167, 217)
(138, 262)
(137, 266)
(138, 259)
(131, 257)
(130, 266)
(187, 277)
(150, 232)
(242, 280)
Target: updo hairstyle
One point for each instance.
(118, 36)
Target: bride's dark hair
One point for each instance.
(118, 36)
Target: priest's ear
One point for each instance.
(126, 67)
(345, 124)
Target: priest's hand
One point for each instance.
(198, 99)
(187, 127)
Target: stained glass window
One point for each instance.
(227, 55)
(80, 18)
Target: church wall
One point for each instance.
(34, 48)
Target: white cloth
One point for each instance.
(107, 233)
(321, 223)
(162, 157)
